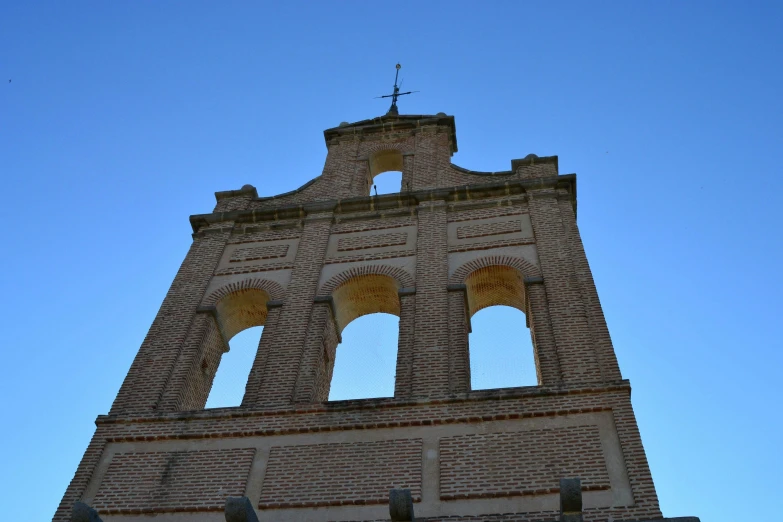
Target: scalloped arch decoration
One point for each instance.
(525, 267)
(403, 278)
(273, 289)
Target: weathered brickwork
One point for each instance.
(259, 252)
(304, 265)
(490, 229)
(380, 240)
(505, 464)
(338, 474)
(159, 482)
(256, 234)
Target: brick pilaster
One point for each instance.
(153, 366)
(283, 365)
(82, 476)
(431, 343)
(593, 311)
(432, 159)
(265, 347)
(459, 361)
(313, 369)
(191, 380)
(573, 338)
(544, 347)
(405, 345)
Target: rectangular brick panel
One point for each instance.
(258, 252)
(520, 463)
(173, 481)
(341, 474)
(489, 229)
(375, 241)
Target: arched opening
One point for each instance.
(387, 183)
(228, 385)
(365, 361)
(367, 310)
(240, 318)
(501, 348)
(385, 172)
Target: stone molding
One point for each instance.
(406, 200)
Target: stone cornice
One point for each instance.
(247, 190)
(393, 123)
(390, 201)
(359, 405)
(530, 159)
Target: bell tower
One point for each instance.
(306, 263)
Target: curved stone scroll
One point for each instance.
(239, 509)
(401, 505)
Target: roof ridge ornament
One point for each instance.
(393, 109)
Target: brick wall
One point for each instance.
(282, 367)
(338, 474)
(156, 482)
(445, 442)
(430, 374)
(526, 463)
(154, 363)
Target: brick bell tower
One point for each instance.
(305, 264)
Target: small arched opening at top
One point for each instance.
(363, 366)
(385, 175)
(240, 316)
(501, 348)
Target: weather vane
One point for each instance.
(396, 94)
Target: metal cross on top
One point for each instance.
(396, 94)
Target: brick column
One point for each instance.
(282, 367)
(408, 164)
(433, 157)
(577, 356)
(459, 328)
(645, 499)
(404, 374)
(153, 366)
(313, 371)
(544, 347)
(265, 346)
(430, 376)
(190, 383)
(82, 477)
(594, 313)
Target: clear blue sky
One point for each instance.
(123, 118)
